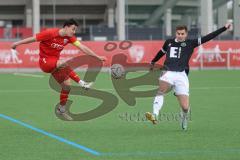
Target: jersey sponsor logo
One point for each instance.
(175, 52)
(183, 44)
(57, 46)
(65, 41)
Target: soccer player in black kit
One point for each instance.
(176, 66)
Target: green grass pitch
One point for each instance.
(213, 133)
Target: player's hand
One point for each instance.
(102, 59)
(151, 67)
(14, 51)
(13, 46)
(228, 25)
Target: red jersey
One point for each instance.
(51, 43)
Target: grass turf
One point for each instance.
(214, 130)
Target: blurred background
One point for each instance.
(147, 24)
(119, 19)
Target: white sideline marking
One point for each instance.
(25, 90)
(50, 135)
(105, 89)
(203, 88)
(28, 75)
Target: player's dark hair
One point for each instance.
(181, 27)
(70, 22)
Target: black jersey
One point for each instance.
(178, 54)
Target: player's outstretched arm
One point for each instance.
(212, 35)
(24, 41)
(88, 51)
(159, 55)
(215, 33)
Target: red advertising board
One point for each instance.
(212, 54)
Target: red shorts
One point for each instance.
(48, 65)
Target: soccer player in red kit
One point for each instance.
(52, 42)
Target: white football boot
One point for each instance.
(183, 120)
(86, 85)
(61, 110)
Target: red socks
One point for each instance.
(64, 97)
(61, 75)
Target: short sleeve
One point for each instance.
(72, 39)
(45, 35)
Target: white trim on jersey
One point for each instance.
(163, 51)
(199, 41)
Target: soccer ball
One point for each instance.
(117, 71)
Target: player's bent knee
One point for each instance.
(184, 105)
(164, 87)
(163, 90)
(67, 82)
(66, 85)
(60, 63)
